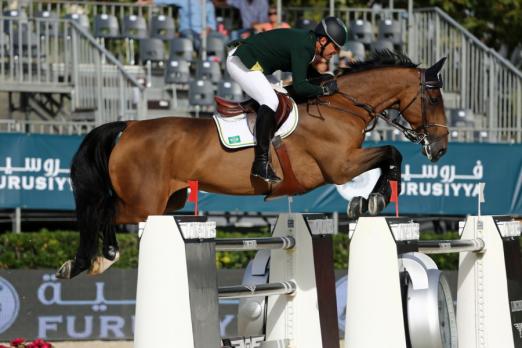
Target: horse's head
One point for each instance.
(424, 110)
(414, 92)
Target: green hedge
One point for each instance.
(47, 249)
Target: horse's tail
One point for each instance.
(93, 193)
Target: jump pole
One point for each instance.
(489, 296)
(177, 293)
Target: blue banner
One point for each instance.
(447, 187)
(34, 174)
(34, 171)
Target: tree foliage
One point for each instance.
(498, 23)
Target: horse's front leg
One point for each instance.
(391, 171)
(389, 159)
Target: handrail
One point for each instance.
(107, 54)
(91, 6)
(477, 79)
(471, 37)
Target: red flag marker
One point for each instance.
(395, 196)
(193, 197)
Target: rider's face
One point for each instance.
(329, 50)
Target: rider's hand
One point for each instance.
(329, 87)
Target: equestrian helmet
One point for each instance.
(333, 29)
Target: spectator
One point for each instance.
(189, 15)
(272, 22)
(252, 11)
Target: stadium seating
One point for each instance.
(181, 48)
(134, 27)
(162, 27)
(106, 26)
(362, 31)
(391, 31)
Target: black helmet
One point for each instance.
(333, 29)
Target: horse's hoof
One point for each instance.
(110, 252)
(358, 206)
(65, 271)
(100, 264)
(69, 269)
(376, 203)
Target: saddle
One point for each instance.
(290, 184)
(228, 108)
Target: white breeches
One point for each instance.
(254, 83)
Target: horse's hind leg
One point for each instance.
(110, 252)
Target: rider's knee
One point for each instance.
(272, 102)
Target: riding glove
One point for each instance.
(329, 87)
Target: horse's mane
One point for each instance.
(379, 59)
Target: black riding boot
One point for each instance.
(265, 124)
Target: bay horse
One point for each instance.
(126, 171)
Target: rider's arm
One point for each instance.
(300, 62)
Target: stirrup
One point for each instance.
(272, 180)
(266, 173)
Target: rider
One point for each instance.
(287, 50)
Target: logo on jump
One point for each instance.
(246, 342)
(9, 305)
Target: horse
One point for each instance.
(125, 171)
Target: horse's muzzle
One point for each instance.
(433, 152)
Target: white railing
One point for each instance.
(45, 127)
(59, 56)
(90, 8)
(101, 81)
(475, 76)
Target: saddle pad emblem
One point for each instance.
(234, 140)
(234, 132)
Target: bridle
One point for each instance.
(417, 135)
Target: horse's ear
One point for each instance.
(432, 71)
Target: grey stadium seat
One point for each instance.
(362, 31)
(106, 26)
(216, 48)
(201, 93)
(162, 27)
(81, 19)
(230, 90)
(25, 43)
(15, 20)
(48, 23)
(391, 30)
(208, 70)
(177, 72)
(151, 50)
(181, 48)
(134, 27)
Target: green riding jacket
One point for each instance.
(282, 49)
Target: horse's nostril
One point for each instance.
(441, 153)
